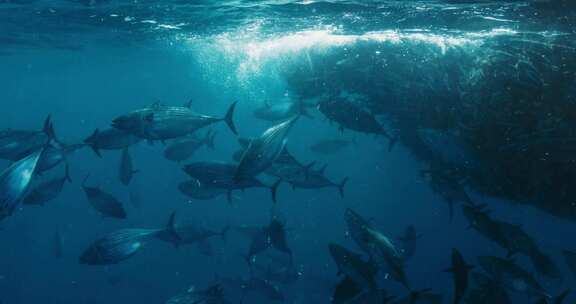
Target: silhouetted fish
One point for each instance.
(281, 111)
(358, 274)
(14, 182)
(55, 154)
(116, 247)
(408, 241)
(187, 234)
(16, 144)
(379, 247)
(212, 295)
(104, 202)
(512, 276)
(422, 297)
(487, 291)
(184, 148)
(111, 139)
(315, 179)
(48, 190)
(126, 170)
(194, 189)
(264, 150)
(329, 146)
(160, 122)
(460, 271)
(223, 176)
(351, 116)
(278, 238)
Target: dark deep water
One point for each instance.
(483, 90)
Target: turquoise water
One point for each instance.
(480, 91)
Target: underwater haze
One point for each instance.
(206, 152)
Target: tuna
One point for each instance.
(450, 189)
(111, 139)
(15, 181)
(184, 148)
(512, 276)
(379, 247)
(263, 151)
(47, 191)
(211, 295)
(277, 235)
(408, 241)
(116, 247)
(161, 122)
(223, 176)
(315, 179)
(460, 271)
(56, 154)
(195, 190)
(16, 144)
(487, 291)
(104, 202)
(351, 116)
(179, 235)
(281, 111)
(330, 146)
(358, 274)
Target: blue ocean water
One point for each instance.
(414, 65)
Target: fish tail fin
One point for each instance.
(93, 143)
(224, 232)
(392, 142)
(67, 173)
(209, 139)
(274, 189)
(48, 129)
(560, 298)
(229, 118)
(341, 186)
(189, 103)
(171, 227)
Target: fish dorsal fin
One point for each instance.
(156, 105)
(188, 104)
(171, 227)
(322, 170)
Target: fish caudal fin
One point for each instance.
(67, 173)
(92, 140)
(274, 190)
(341, 186)
(229, 118)
(224, 232)
(209, 140)
(171, 227)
